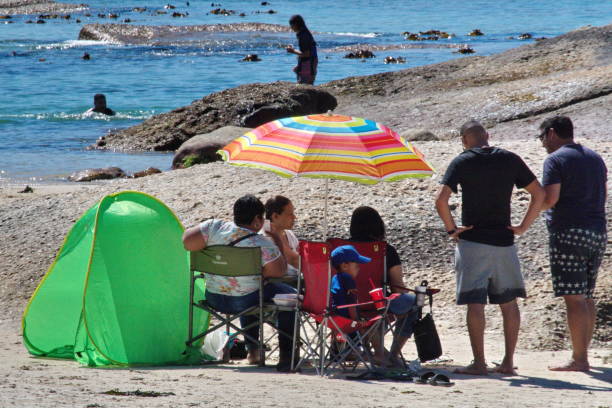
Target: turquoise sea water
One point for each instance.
(45, 86)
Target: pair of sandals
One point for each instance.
(432, 378)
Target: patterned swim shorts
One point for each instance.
(575, 256)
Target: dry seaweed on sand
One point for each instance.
(137, 393)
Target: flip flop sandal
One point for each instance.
(440, 380)
(424, 378)
(398, 375)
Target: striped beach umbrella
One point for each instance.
(328, 146)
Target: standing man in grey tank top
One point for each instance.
(574, 179)
(486, 260)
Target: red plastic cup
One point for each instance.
(377, 295)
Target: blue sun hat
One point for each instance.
(347, 253)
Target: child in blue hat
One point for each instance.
(345, 259)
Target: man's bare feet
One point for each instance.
(472, 369)
(571, 366)
(504, 367)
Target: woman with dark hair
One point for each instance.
(236, 294)
(280, 219)
(367, 226)
(306, 68)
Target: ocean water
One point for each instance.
(45, 85)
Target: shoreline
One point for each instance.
(436, 98)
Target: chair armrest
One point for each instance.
(428, 291)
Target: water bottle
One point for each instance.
(420, 293)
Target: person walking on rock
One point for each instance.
(574, 180)
(306, 68)
(486, 260)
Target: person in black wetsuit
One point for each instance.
(100, 106)
(306, 68)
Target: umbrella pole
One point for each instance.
(325, 211)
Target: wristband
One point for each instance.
(451, 232)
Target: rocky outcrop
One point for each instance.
(203, 148)
(8, 7)
(247, 105)
(148, 34)
(146, 172)
(568, 74)
(97, 174)
(508, 92)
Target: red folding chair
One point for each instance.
(315, 316)
(371, 273)
(375, 273)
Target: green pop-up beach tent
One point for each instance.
(118, 291)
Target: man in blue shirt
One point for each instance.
(574, 179)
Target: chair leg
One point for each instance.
(260, 344)
(296, 330)
(191, 291)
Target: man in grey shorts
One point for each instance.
(486, 260)
(574, 179)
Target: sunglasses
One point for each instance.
(542, 134)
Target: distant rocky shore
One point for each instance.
(9, 7)
(509, 92)
(154, 35)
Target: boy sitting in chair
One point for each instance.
(345, 259)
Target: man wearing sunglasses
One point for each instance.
(574, 180)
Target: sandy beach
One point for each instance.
(33, 226)
(29, 382)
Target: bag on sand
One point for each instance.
(214, 345)
(426, 339)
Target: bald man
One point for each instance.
(486, 260)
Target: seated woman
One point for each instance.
(235, 294)
(280, 219)
(368, 226)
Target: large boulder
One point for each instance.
(246, 105)
(203, 148)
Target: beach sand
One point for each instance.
(35, 382)
(33, 226)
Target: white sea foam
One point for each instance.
(85, 43)
(71, 44)
(363, 35)
(64, 116)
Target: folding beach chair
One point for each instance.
(231, 261)
(371, 273)
(317, 323)
(374, 275)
